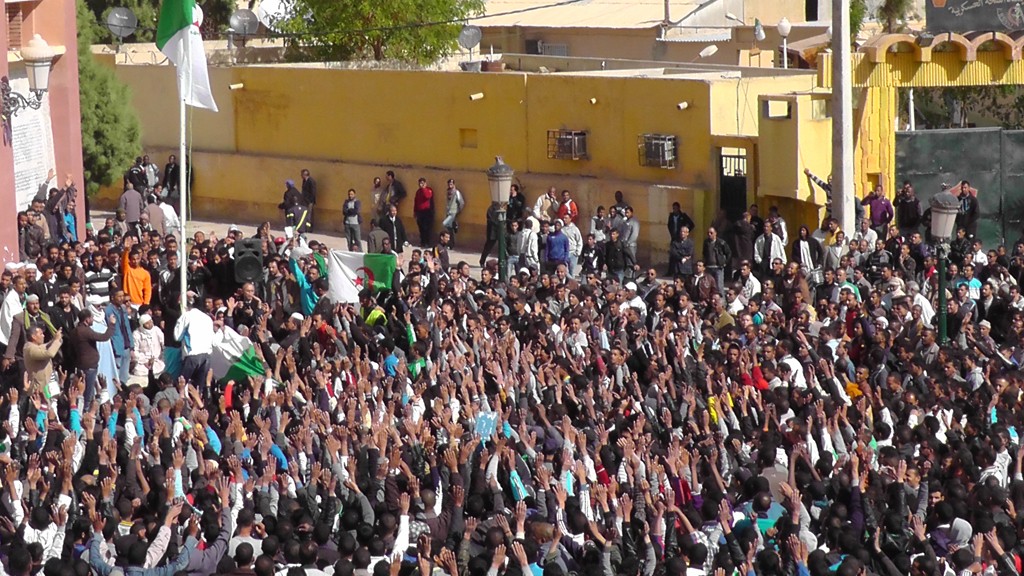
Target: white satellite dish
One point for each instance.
(470, 36)
(244, 22)
(122, 22)
(709, 51)
(271, 12)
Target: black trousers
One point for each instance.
(425, 222)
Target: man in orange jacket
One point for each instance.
(137, 283)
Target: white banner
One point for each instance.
(32, 143)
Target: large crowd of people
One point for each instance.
(779, 406)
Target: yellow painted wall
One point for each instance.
(348, 126)
(154, 95)
(247, 189)
(875, 140)
(734, 101)
(782, 181)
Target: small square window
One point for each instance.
(657, 150)
(776, 109)
(567, 144)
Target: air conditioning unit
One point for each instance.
(567, 144)
(657, 150)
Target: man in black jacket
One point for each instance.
(716, 257)
(908, 211)
(676, 220)
(392, 224)
(309, 193)
(617, 258)
(967, 217)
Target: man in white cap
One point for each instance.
(30, 317)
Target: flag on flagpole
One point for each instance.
(178, 37)
(349, 272)
(234, 356)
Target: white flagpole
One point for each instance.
(182, 168)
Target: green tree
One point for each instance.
(858, 13)
(892, 12)
(329, 30)
(216, 16)
(111, 135)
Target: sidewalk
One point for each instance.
(333, 241)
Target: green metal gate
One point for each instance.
(991, 159)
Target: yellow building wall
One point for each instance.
(347, 126)
(734, 102)
(155, 96)
(782, 181)
(874, 140)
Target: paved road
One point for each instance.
(334, 241)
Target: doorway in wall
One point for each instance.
(732, 182)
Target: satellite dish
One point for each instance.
(470, 37)
(244, 22)
(270, 12)
(122, 22)
(709, 51)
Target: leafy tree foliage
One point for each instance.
(216, 14)
(328, 30)
(111, 135)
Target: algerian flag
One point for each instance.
(234, 356)
(758, 30)
(177, 36)
(349, 272)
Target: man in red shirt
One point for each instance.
(568, 206)
(423, 209)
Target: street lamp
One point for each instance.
(784, 28)
(499, 177)
(945, 206)
(37, 55)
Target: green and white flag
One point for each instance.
(234, 356)
(178, 37)
(349, 272)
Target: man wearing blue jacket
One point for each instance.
(556, 251)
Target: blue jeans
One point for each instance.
(90, 386)
(571, 264)
(123, 362)
(719, 274)
(353, 235)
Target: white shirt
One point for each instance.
(171, 222)
(751, 287)
(575, 238)
(870, 235)
(199, 328)
(11, 308)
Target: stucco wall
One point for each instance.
(348, 126)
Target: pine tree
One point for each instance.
(111, 134)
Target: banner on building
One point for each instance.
(31, 142)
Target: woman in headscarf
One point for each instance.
(149, 348)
